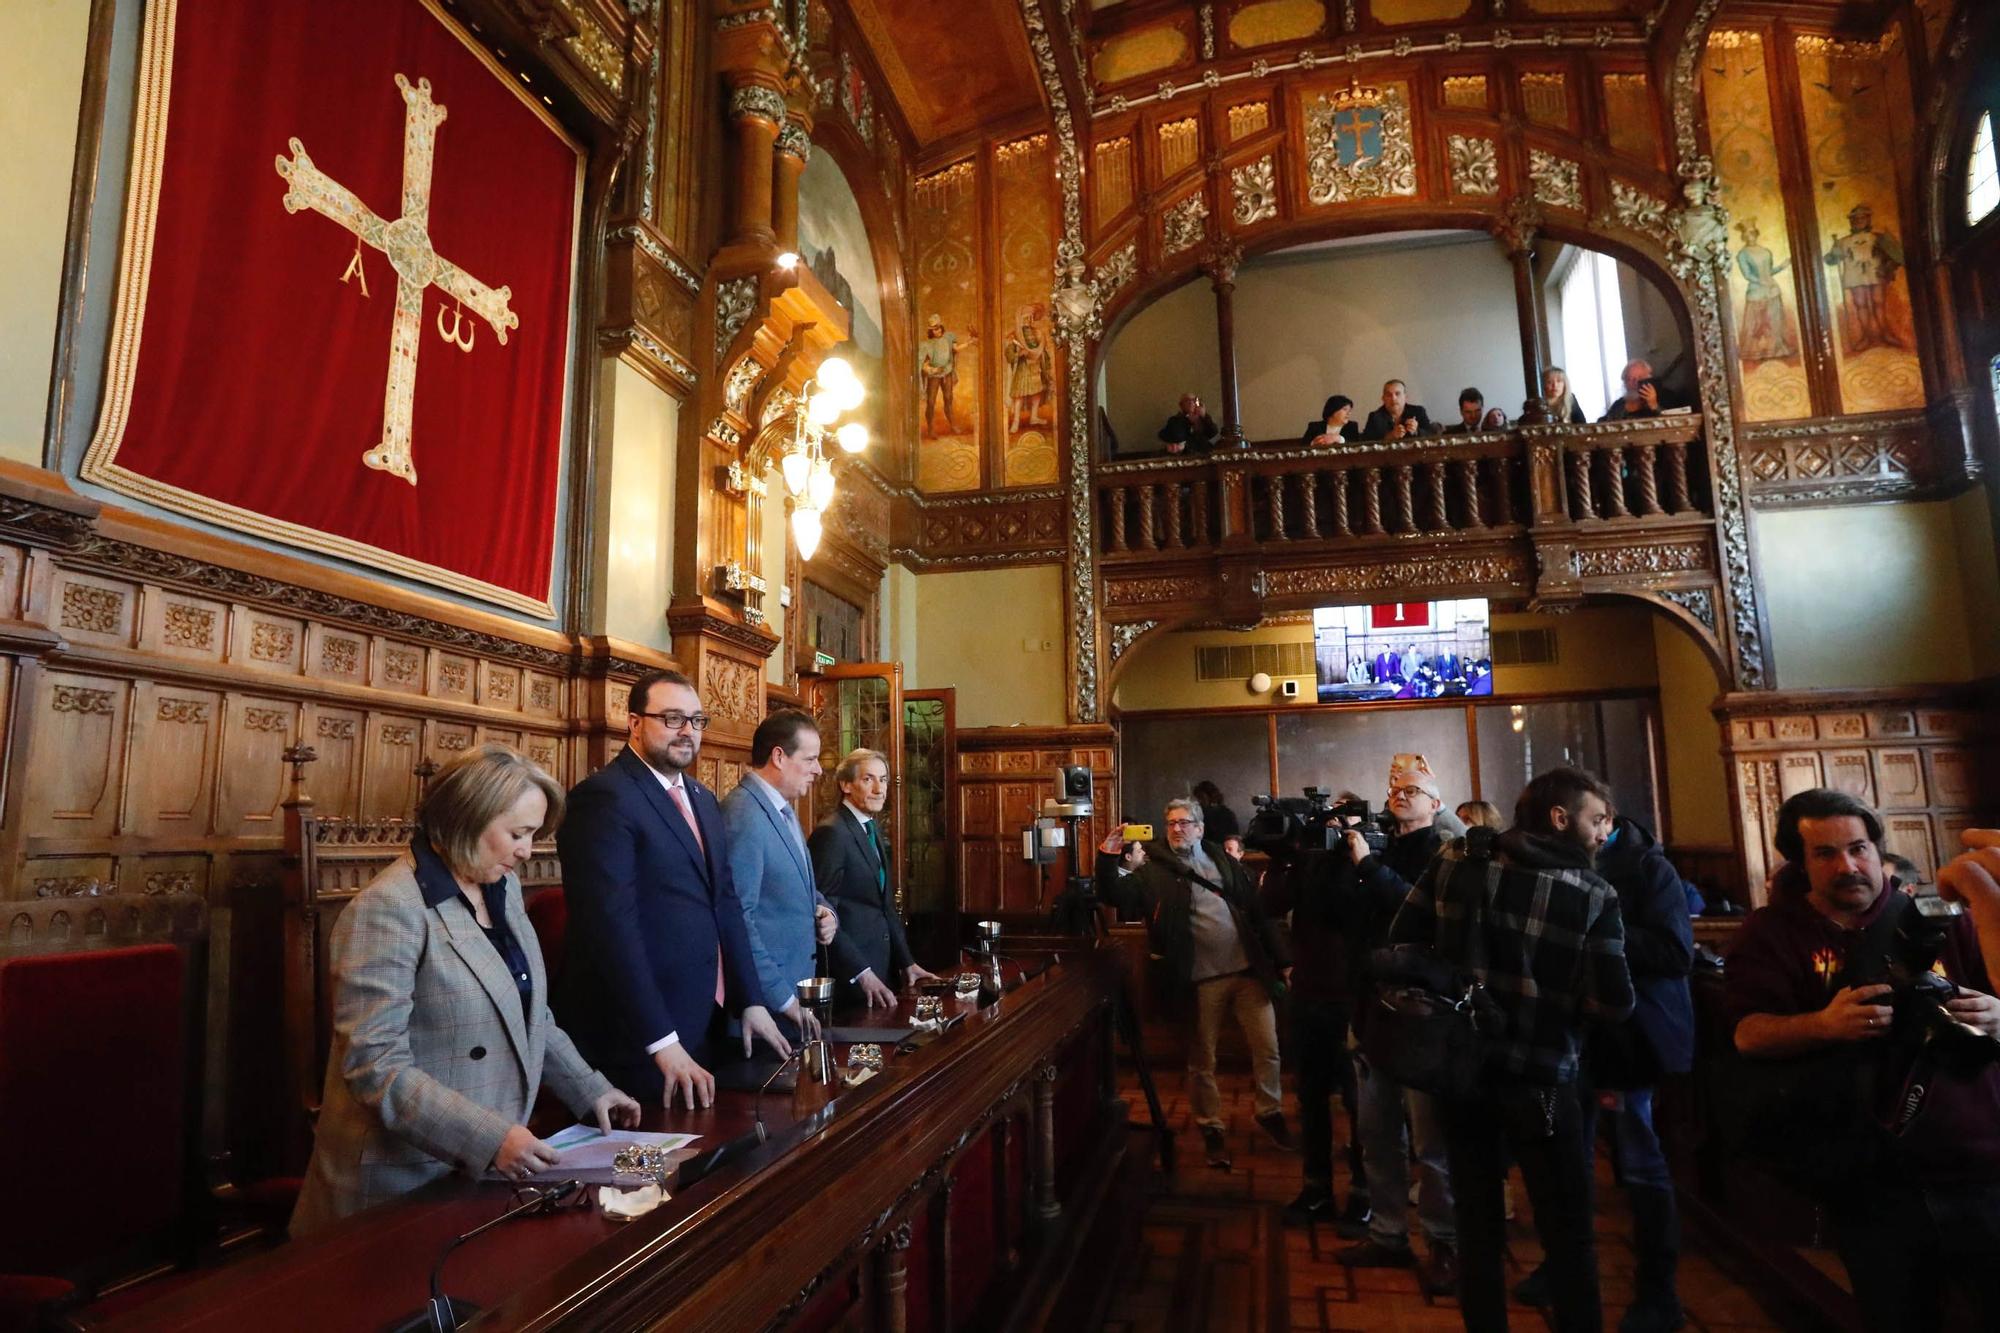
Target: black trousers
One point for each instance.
(1319, 1040)
(1904, 1245)
(1480, 1137)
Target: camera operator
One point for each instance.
(1218, 946)
(1382, 879)
(1314, 890)
(1837, 964)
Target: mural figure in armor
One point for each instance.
(1867, 260)
(1029, 372)
(1765, 333)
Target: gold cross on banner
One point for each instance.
(407, 243)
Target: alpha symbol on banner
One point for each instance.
(407, 243)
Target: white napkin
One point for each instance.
(628, 1204)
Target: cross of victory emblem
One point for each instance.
(407, 243)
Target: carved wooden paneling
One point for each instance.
(445, 741)
(1922, 760)
(79, 755)
(152, 876)
(1004, 775)
(65, 877)
(252, 781)
(13, 575)
(181, 626)
(500, 686)
(269, 643)
(336, 735)
(94, 610)
(336, 655)
(547, 751)
(453, 676)
(176, 743)
(389, 758)
(399, 666)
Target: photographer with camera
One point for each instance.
(1315, 891)
(1392, 1115)
(1218, 947)
(1871, 1078)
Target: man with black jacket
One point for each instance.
(1314, 889)
(1381, 882)
(1525, 916)
(1623, 1063)
(1218, 948)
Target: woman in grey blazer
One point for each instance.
(441, 1024)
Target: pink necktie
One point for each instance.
(679, 790)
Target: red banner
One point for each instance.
(343, 316)
(1399, 615)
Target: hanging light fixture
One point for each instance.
(808, 472)
(805, 530)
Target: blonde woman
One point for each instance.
(441, 1024)
(1563, 407)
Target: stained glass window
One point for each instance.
(1982, 176)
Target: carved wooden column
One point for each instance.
(794, 146)
(892, 1281)
(1006, 1258)
(1220, 264)
(1047, 1206)
(940, 1246)
(1518, 235)
(757, 112)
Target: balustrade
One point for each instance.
(1628, 472)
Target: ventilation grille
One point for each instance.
(1524, 647)
(1241, 661)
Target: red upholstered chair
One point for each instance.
(548, 913)
(92, 1070)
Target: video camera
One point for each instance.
(1285, 826)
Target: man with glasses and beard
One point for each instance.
(1525, 915)
(1219, 949)
(657, 950)
(1807, 977)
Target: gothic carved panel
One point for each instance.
(253, 779)
(175, 744)
(389, 758)
(78, 751)
(185, 627)
(398, 666)
(94, 610)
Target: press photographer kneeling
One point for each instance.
(1869, 1080)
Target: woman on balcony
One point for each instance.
(1336, 424)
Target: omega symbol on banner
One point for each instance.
(407, 243)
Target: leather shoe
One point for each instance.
(1314, 1204)
(1534, 1289)
(1218, 1151)
(1275, 1126)
(1439, 1275)
(1374, 1254)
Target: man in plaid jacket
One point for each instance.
(1524, 914)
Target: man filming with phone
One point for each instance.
(1642, 394)
(1217, 947)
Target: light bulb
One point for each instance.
(788, 261)
(797, 468)
(849, 394)
(853, 437)
(819, 489)
(835, 370)
(824, 407)
(805, 531)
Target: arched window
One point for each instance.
(1982, 173)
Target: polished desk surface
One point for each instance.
(370, 1270)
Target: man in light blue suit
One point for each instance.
(771, 866)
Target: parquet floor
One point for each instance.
(1216, 1255)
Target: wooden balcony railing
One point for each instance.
(1535, 476)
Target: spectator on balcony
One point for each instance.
(1564, 410)
(1191, 429)
(1398, 418)
(1471, 413)
(1642, 394)
(1336, 423)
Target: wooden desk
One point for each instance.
(964, 1186)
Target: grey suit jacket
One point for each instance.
(432, 1062)
(774, 878)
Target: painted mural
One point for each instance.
(1846, 93)
(944, 221)
(833, 242)
(1025, 369)
(1763, 280)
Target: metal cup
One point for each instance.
(816, 1056)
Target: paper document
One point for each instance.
(587, 1152)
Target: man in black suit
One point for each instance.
(1398, 418)
(851, 862)
(657, 948)
(1191, 429)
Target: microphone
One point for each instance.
(697, 1168)
(442, 1313)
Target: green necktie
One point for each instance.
(881, 863)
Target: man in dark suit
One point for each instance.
(1191, 429)
(1398, 418)
(851, 862)
(656, 945)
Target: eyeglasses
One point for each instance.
(1408, 793)
(674, 719)
(1183, 823)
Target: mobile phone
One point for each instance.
(1137, 833)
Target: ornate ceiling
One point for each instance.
(951, 67)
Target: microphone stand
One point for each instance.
(442, 1313)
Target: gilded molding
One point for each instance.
(754, 100)
(634, 335)
(1697, 602)
(1475, 165)
(1185, 224)
(1557, 181)
(734, 300)
(1391, 172)
(1120, 638)
(1255, 188)
(649, 245)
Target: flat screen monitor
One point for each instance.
(1403, 650)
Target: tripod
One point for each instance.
(1075, 913)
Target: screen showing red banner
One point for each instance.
(344, 308)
